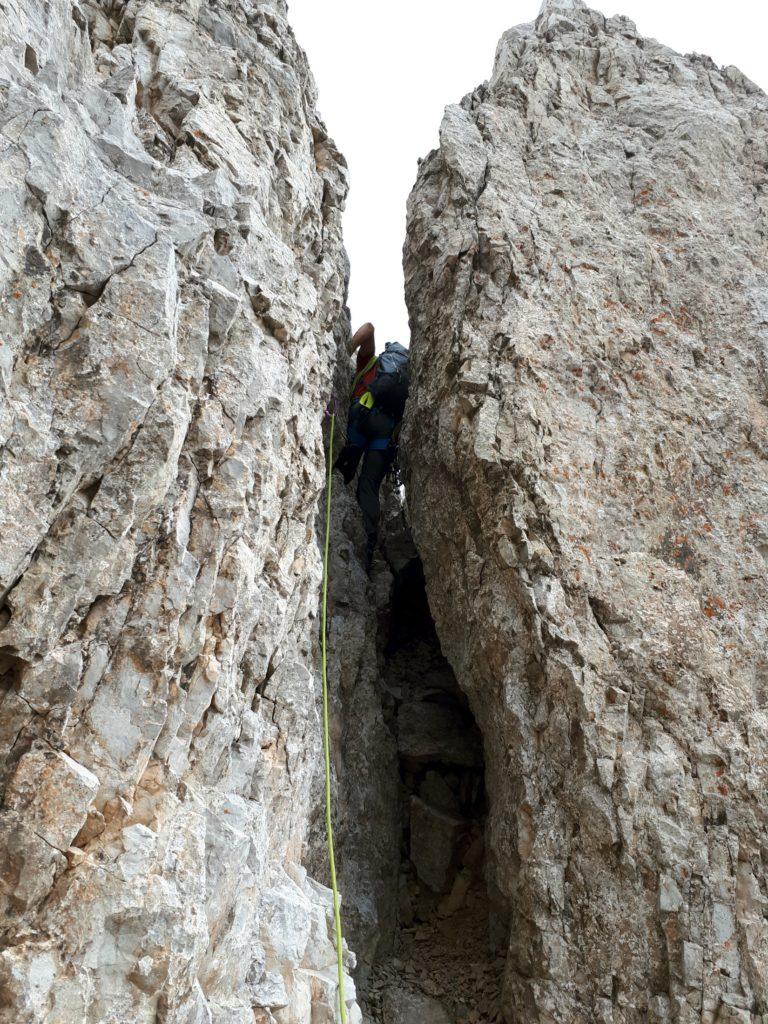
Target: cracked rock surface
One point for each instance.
(585, 267)
(171, 280)
(363, 752)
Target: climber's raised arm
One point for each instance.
(363, 340)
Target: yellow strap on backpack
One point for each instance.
(368, 366)
(366, 400)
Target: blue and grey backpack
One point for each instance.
(389, 388)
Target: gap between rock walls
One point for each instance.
(443, 962)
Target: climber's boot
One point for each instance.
(348, 460)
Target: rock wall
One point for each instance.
(585, 271)
(364, 759)
(172, 274)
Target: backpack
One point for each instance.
(389, 388)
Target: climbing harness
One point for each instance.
(326, 735)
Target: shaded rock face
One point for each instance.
(171, 279)
(363, 752)
(585, 272)
(440, 964)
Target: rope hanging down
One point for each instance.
(326, 736)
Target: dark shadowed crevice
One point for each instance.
(443, 967)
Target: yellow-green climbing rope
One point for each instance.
(326, 736)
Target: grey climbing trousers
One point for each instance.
(375, 466)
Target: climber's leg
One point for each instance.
(348, 460)
(375, 466)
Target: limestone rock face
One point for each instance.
(585, 267)
(171, 278)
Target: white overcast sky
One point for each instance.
(385, 71)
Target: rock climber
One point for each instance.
(379, 392)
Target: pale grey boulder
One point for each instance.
(403, 1005)
(588, 487)
(434, 835)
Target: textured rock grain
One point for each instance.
(171, 279)
(585, 269)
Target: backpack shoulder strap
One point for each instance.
(366, 369)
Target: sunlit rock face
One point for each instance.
(172, 273)
(585, 270)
